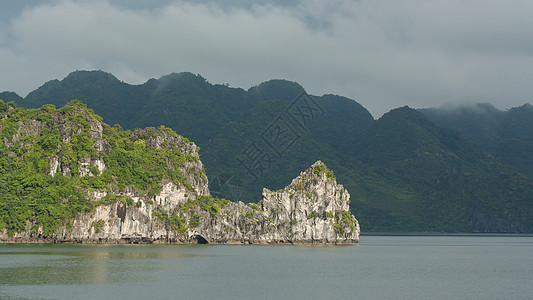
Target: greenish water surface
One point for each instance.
(380, 267)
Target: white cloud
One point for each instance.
(382, 53)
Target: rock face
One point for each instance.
(313, 209)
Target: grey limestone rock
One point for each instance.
(312, 209)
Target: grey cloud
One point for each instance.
(384, 54)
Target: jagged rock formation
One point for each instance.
(406, 172)
(312, 209)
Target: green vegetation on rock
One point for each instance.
(322, 168)
(407, 171)
(50, 158)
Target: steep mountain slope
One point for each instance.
(515, 145)
(441, 180)
(10, 96)
(507, 135)
(477, 122)
(223, 121)
(57, 163)
(109, 97)
(184, 101)
(405, 173)
(65, 176)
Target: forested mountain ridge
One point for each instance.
(223, 121)
(507, 135)
(65, 176)
(405, 172)
(52, 160)
(439, 174)
(10, 96)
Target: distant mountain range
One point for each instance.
(466, 169)
(506, 135)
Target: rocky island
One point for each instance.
(68, 177)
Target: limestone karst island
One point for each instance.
(65, 176)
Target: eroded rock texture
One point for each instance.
(312, 209)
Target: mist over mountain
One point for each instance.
(507, 135)
(466, 169)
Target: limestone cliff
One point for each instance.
(120, 199)
(313, 209)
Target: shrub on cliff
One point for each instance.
(50, 159)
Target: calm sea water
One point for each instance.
(380, 267)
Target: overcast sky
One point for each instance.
(383, 54)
